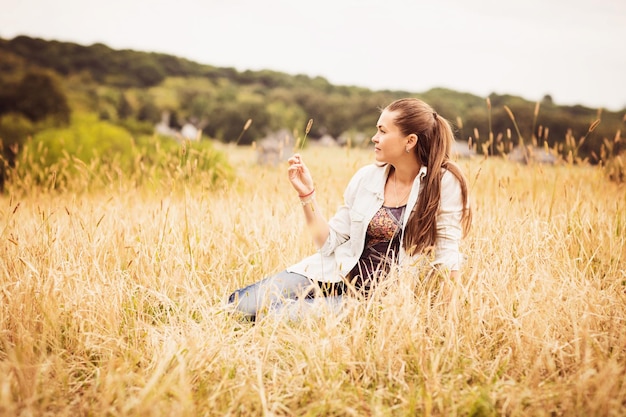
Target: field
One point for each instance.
(111, 302)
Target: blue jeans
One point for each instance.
(285, 291)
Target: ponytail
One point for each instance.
(433, 148)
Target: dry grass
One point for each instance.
(111, 303)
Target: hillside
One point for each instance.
(50, 80)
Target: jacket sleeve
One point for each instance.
(339, 224)
(449, 229)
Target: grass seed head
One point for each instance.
(509, 112)
(536, 109)
(306, 132)
(594, 125)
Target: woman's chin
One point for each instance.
(378, 158)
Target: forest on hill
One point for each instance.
(45, 84)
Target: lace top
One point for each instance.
(382, 243)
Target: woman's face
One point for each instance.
(389, 142)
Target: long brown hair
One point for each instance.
(434, 145)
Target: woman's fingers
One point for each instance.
(295, 172)
(295, 159)
(299, 174)
(295, 166)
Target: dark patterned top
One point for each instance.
(382, 243)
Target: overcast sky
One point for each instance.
(570, 49)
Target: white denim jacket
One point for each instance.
(363, 197)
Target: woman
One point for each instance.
(408, 209)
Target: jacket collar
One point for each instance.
(377, 183)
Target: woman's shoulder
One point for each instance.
(450, 179)
(369, 176)
(451, 189)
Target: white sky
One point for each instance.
(570, 49)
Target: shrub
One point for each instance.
(91, 153)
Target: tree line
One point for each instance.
(45, 82)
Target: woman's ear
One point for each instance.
(411, 141)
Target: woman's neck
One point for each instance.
(405, 174)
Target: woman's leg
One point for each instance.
(270, 292)
(315, 307)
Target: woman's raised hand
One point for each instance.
(299, 175)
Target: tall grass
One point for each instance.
(111, 302)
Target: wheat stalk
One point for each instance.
(246, 126)
(306, 132)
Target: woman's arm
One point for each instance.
(302, 181)
(315, 221)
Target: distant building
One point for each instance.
(326, 140)
(461, 149)
(163, 127)
(275, 147)
(188, 132)
(353, 139)
(532, 154)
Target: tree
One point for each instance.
(547, 100)
(124, 109)
(148, 112)
(14, 130)
(38, 96)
